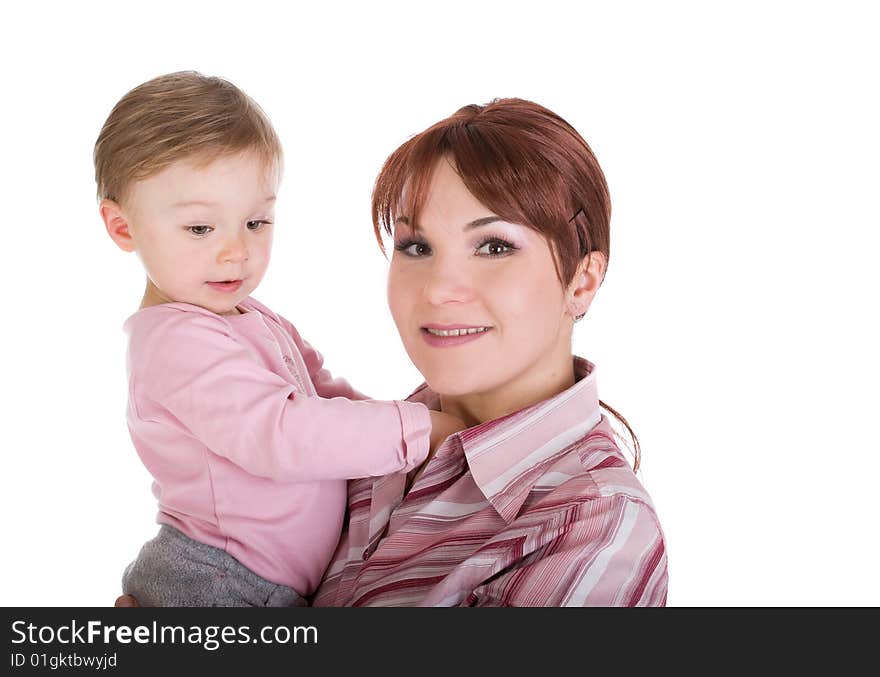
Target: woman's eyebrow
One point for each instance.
(470, 225)
(483, 221)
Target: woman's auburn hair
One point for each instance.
(521, 161)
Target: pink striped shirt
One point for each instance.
(538, 508)
(250, 440)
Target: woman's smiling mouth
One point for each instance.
(440, 336)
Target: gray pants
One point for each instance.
(174, 570)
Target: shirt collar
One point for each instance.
(508, 455)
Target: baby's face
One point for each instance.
(204, 233)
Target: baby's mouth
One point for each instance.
(226, 285)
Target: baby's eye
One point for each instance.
(495, 248)
(257, 224)
(414, 249)
(199, 230)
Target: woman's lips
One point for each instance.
(227, 286)
(439, 336)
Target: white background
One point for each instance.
(736, 329)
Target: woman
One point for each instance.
(500, 218)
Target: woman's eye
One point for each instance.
(414, 249)
(495, 248)
(199, 230)
(257, 224)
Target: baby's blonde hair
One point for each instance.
(183, 115)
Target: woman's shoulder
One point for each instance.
(601, 460)
(592, 470)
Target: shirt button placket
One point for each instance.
(370, 550)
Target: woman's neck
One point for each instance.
(533, 387)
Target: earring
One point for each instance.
(578, 318)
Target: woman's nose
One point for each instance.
(447, 282)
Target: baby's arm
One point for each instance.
(196, 377)
(326, 385)
(442, 425)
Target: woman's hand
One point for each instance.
(126, 600)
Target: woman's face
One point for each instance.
(476, 300)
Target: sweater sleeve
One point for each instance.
(325, 383)
(198, 378)
(414, 415)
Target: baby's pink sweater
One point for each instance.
(250, 441)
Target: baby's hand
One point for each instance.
(442, 426)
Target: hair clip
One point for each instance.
(582, 242)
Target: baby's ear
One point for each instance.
(117, 224)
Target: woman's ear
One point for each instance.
(585, 284)
(117, 225)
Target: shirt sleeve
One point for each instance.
(613, 554)
(199, 379)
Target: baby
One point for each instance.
(248, 438)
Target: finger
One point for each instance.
(126, 601)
